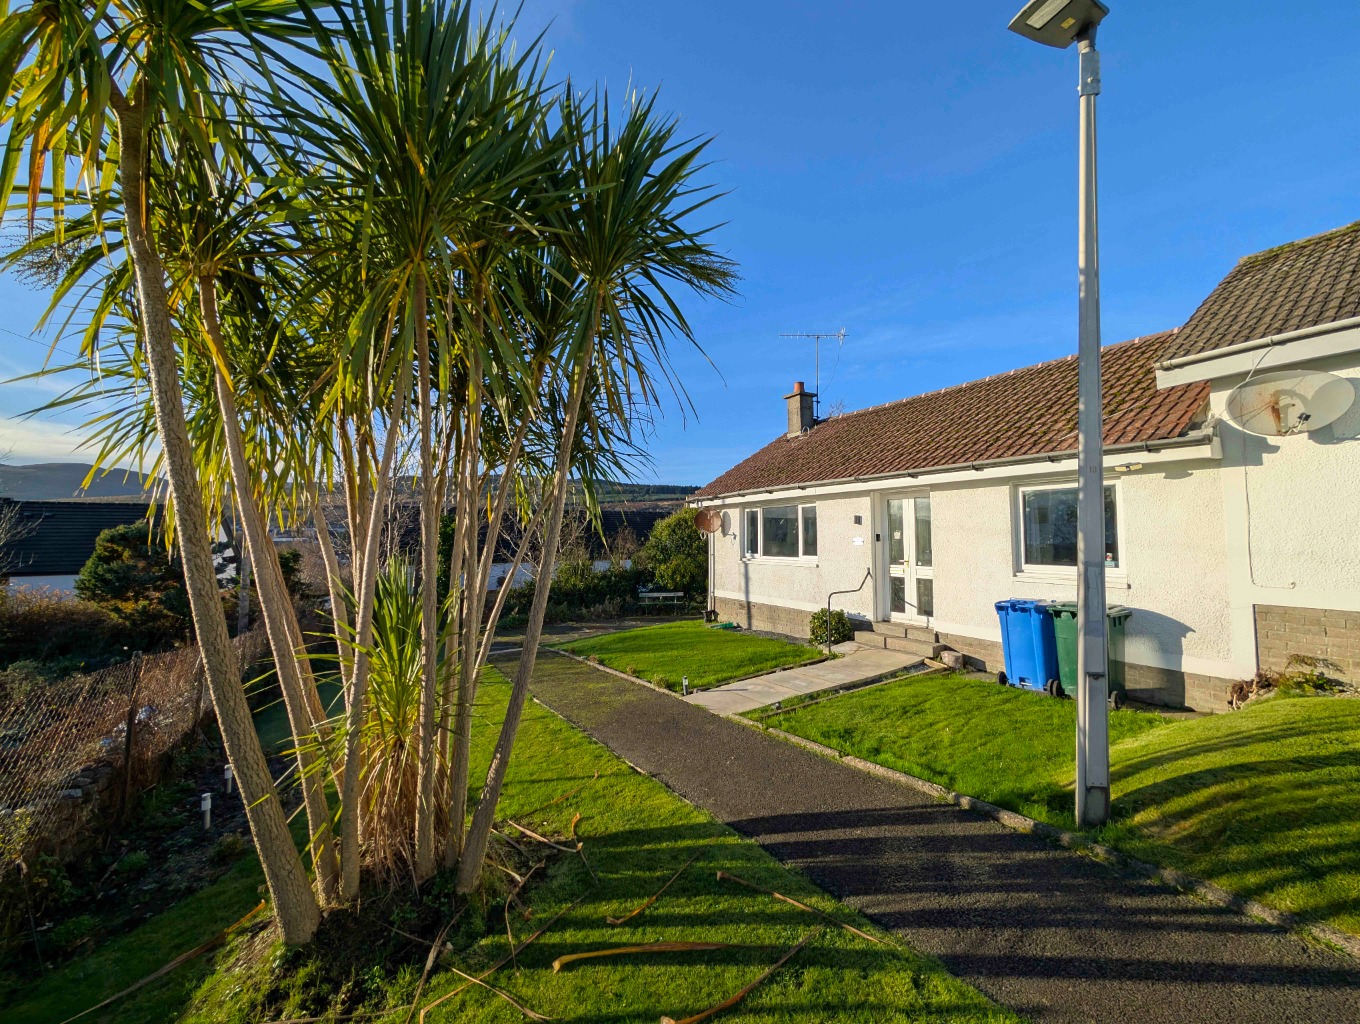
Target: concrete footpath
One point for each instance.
(858, 665)
(1051, 934)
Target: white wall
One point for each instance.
(802, 583)
(1174, 564)
(1292, 509)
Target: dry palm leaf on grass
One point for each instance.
(657, 895)
(732, 1001)
(500, 963)
(580, 848)
(649, 947)
(801, 906)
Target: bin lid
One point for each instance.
(1069, 608)
(1021, 604)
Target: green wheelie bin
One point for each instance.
(1065, 631)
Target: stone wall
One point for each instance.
(982, 655)
(1173, 688)
(768, 618)
(1333, 636)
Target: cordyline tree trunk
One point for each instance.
(334, 588)
(242, 589)
(276, 607)
(465, 537)
(366, 579)
(295, 907)
(426, 788)
(479, 832)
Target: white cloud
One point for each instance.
(33, 440)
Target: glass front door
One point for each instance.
(911, 561)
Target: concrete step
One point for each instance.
(905, 631)
(869, 638)
(908, 645)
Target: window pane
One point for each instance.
(925, 597)
(752, 531)
(779, 531)
(899, 594)
(924, 555)
(809, 530)
(1050, 527)
(1111, 531)
(896, 540)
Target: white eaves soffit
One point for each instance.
(1273, 353)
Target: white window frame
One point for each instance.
(1116, 576)
(759, 555)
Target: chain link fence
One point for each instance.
(73, 753)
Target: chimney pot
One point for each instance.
(800, 404)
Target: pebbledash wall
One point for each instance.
(1232, 558)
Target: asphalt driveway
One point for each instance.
(1049, 933)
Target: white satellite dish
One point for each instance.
(1289, 402)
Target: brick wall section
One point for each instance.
(1175, 689)
(769, 618)
(1316, 632)
(981, 655)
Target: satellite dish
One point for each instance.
(709, 520)
(1289, 402)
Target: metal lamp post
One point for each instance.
(1061, 23)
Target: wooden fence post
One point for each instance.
(128, 738)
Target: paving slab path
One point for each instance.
(857, 665)
(1049, 933)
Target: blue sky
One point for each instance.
(913, 180)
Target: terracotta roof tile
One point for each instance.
(1030, 411)
(1306, 283)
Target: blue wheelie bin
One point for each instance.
(1027, 638)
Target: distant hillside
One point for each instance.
(49, 481)
(645, 492)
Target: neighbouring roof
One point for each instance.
(57, 537)
(1030, 411)
(1307, 283)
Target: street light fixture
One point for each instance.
(1061, 23)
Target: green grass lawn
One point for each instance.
(271, 721)
(636, 834)
(667, 653)
(1264, 802)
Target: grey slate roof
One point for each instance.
(1308, 283)
(60, 535)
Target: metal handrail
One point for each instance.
(868, 574)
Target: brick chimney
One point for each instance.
(800, 409)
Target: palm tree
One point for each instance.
(430, 120)
(623, 235)
(114, 77)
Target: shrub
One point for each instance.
(676, 553)
(578, 592)
(230, 847)
(841, 628)
(132, 863)
(133, 578)
(74, 931)
(54, 635)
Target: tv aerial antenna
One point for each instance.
(817, 339)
